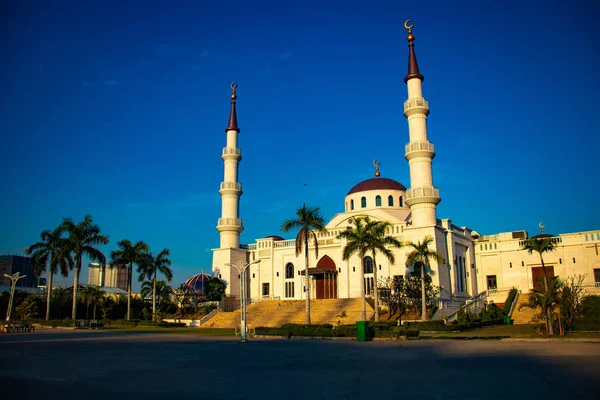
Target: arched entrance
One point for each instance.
(325, 279)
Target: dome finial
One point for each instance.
(376, 164)
(409, 27)
(541, 225)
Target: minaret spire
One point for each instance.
(232, 113)
(413, 66)
(422, 197)
(230, 224)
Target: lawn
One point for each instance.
(503, 331)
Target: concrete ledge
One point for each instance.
(579, 340)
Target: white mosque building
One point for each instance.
(472, 263)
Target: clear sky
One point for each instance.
(117, 109)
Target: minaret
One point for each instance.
(230, 225)
(422, 197)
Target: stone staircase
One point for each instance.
(524, 315)
(274, 313)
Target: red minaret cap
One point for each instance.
(413, 66)
(232, 126)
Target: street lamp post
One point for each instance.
(242, 272)
(14, 278)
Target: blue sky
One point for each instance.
(118, 109)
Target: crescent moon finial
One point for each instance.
(376, 164)
(406, 24)
(234, 87)
(541, 225)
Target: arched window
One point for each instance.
(378, 201)
(351, 204)
(391, 201)
(368, 261)
(289, 271)
(363, 202)
(400, 202)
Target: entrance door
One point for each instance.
(326, 281)
(537, 274)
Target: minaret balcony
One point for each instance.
(234, 186)
(416, 106)
(231, 153)
(230, 223)
(428, 194)
(421, 148)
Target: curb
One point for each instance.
(579, 340)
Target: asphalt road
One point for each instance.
(55, 364)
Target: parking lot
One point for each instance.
(59, 364)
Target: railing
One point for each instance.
(414, 103)
(251, 246)
(422, 192)
(231, 185)
(232, 150)
(286, 243)
(595, 287)
(230, 222)
(419, 146)
(449, 304)
(514, 303)
(209, 316)
(255, 300)
(496, 291)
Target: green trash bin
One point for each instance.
(507, 320)
(362, 331)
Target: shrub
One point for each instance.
(122, 323)
(317, 330)
(408, 333)
(172, 324)
(345, 331)
(512, 295)
(147, 323)
(590, 307)
(261, 330)
(491, 312)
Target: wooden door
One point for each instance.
(537, 274)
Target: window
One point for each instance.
(353, 269)
(400, 202)
(368, 262)
(560, 260)
(378, 201)
(363, 202)
(265, 291)
(510, 264)
(351, 204)
(574, 260)
(368, 285)
(522, 263)
(491, 282)
(586, 237)
(391, 201)
(486, 246)
(289, 271)
(495, 246)
(289, 289)
(597, 275)
(481, 247)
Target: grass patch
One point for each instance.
(504, 331)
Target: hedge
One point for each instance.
(379, 331)
(512, 295)
(438, 326)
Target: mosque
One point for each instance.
(472, 263)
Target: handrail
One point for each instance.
(514, 303)
(208, 316)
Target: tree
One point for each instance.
(571, 298)
(540, 244)
(52, 249)
(358, 239)
(92, 295)
(26, 310)
(128, 254)
(149, 268)
(546, 300)
(214, 289)
(163, 291)
(421, 253)
(379, 241)
(309, 219)
(390, 294)
(84, 237)
(412, 292)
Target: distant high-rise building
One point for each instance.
(11, 264)
(110, 277)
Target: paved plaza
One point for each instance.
(54, 364)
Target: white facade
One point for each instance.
(108, 277)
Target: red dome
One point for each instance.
(377, 184)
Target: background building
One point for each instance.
(11, 264)
(109, 277)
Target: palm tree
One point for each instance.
(128, 254)
(161, 289)
(541, 244)
(380, 242)
(92, 295)
(546, 301)
(421, 254)
(149, 269)
(84, 237)
(309, 219)
(52, 248)
(358, 239)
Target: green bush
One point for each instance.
(171, 324)
(512, 295)
(261, 330)
(408, 333)
(586, 324)
(121, 323)
(491, 312)
(345, 331)
(147, 323)
(67, 323)
(590, 308)
(317, 330)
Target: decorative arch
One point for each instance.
(363, 202)
(326, 263)
(391, 201)
(378, 201)
(289, 271)
(368, 263)
(326, 279)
